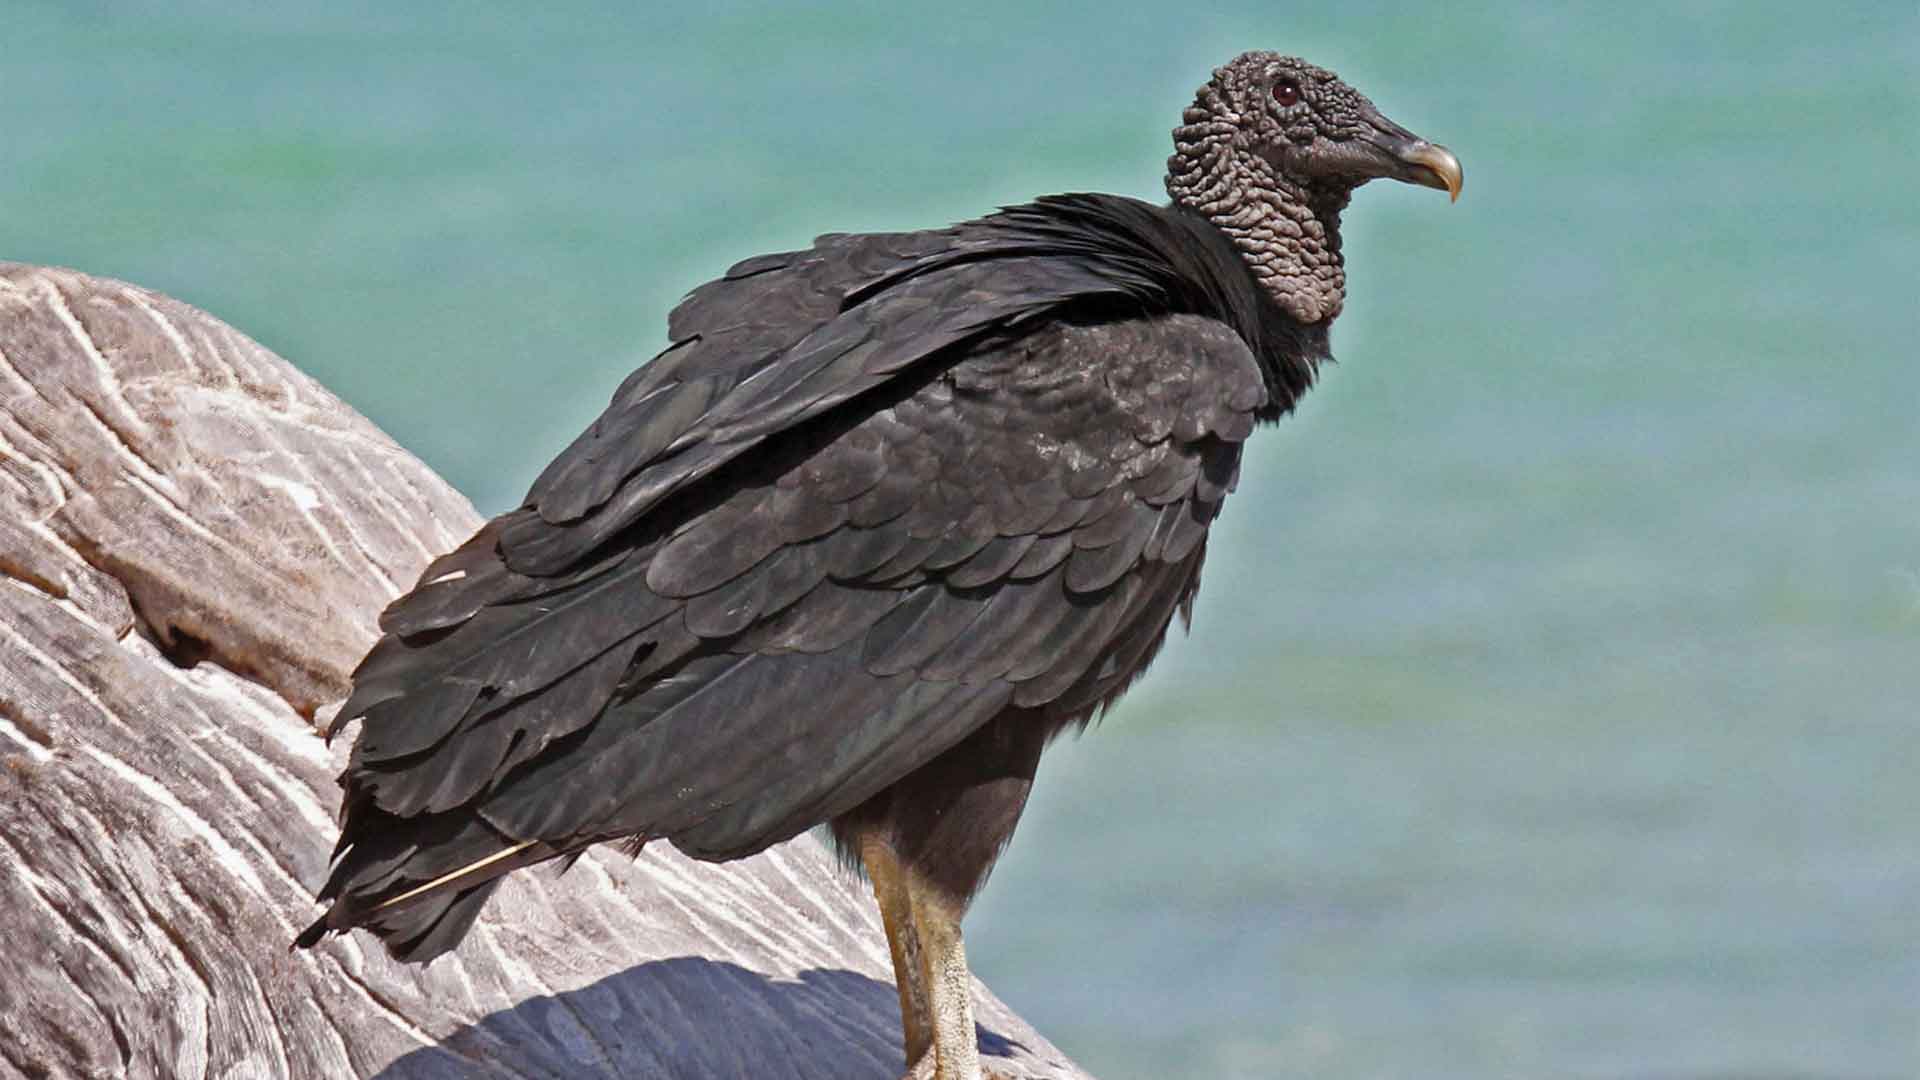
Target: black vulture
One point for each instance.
(888, 515)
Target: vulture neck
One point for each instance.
(1288, 233)
(1174, 259)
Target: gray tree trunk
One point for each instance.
(195, 540)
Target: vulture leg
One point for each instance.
(929, 968)
(895, 896)
(927, 844)
(949, 986)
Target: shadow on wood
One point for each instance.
(726, 1021)
(195, 539)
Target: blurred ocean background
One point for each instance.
(1553, 703)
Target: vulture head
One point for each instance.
(1271, 149)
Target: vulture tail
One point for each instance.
(419, 884)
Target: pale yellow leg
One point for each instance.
(929, 968)
(949, 987)
(891, 890)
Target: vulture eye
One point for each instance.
(1286, 92)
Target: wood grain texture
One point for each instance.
(194, 542)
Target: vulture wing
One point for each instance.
(875, 493)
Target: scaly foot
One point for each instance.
(926, 1069)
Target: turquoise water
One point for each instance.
(1550, 706)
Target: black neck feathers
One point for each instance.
(1171, 259)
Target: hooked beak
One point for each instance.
(1432, 165)
(1395, 152)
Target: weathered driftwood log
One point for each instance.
(194, 542)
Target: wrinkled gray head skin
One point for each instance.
(1270, 151)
